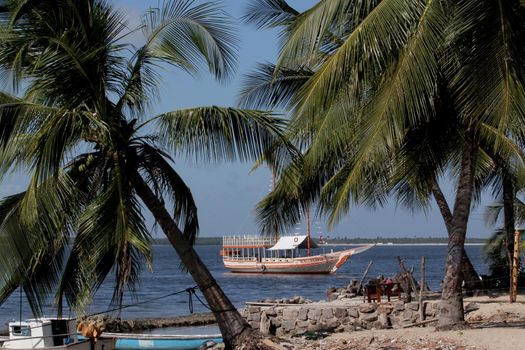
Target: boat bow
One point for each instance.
(345, 254)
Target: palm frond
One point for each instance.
(166, 181)
(61, 61)
(368, 52)
(269, 13)
(217, 133)
(17, 118)
(18, 9)
(282, 207)
(378, 26)
(268, 89)
(140, 83)
(489, 80)
(33, 254)
(182, 33)
(392, 105)
(111, 235)
(501, 145)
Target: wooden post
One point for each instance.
(275, 227)
(308, 227)
(421, 288)
(515, 266)
(364, 276)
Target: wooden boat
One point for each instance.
(50, 333)
(129, 341)
(253, 254)
(61, 334)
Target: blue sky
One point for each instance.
(226, 194)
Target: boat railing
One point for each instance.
(279, 259)
(247, 241)
(241, 258)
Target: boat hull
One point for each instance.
(153, 342)
(176, 344)
(104, 344)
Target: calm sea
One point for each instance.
(167, 278)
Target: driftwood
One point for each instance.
(360, 285)
(409, 276)
(407, 281)
(420, 323)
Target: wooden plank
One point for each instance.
(422, 286)
(420, 323)
(515, 266)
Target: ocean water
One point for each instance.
(167, 278)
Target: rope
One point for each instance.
(191, 291)
(144, 302)
(200, 301)
(190, 300)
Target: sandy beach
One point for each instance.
(496, 325)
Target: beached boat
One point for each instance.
(50, 333)
(130, 341)
(61, 334)
(253, 254)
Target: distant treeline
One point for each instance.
(358, 240)
(199, 241)
(403, 240)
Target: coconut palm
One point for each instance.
(495, 255)
(401, 93)
(499, 248)
(80, 127)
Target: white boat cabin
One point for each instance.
(41, 333)
(263, 248)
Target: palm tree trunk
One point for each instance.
(508, 213)
(470, 275)
(451, 306)
(232, 325)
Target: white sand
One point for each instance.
(492, 315)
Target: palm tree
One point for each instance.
(80, 127)
(401, 93)
(499, 248)
(270, 88)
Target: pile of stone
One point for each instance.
(296, 320)
(350, 291)
(294, 300)
(353, 289)
(117, 325)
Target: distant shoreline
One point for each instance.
(393, 244)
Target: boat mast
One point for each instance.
(308, 227)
